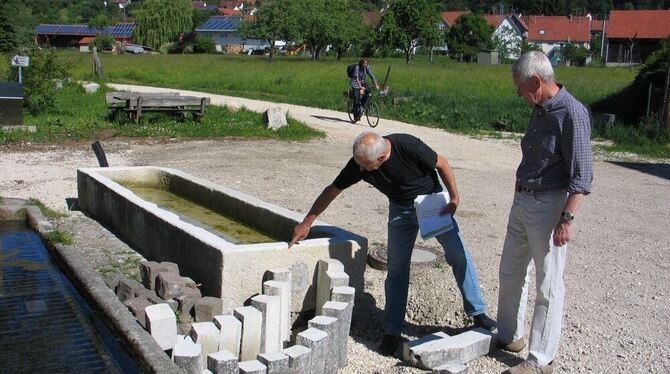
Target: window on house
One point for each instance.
(541, 32)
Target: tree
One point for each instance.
(326, 22)
(469, 35)
(508, 44)
(274, 20)
(407, 22)
(348, 30)
(161, 21)
(576, 54)
(38, 80)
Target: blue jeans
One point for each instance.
(402, 231)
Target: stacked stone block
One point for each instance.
(251, 339)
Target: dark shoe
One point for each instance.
(513, 346)
(483, 321)
(389, 345)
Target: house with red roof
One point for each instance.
(632, 35)
(553, 32)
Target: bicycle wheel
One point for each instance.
(372, 114)
(350, 108)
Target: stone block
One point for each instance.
(113, 280)
(136, 306)
(342, 312)
(275, 118)
(188, 356)
(316, 340)
(149, 271)
(283, 291)
(299, 359)
(231, 333)
(149, 295)
(208, 307)
(252, 320)
(329, 325)
(222, 362)
(188, 299)
(161, 323)
(409, 345)
(91, 87)
(454, 350)
(128, 288)
(276, 362)
(207, 335)
(343, 294)
(171, 267)
(323, 281)
(269, 306)
(252, 367)
(170, 286)
(450, 369)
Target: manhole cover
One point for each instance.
(377, 257)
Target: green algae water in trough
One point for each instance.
(226, 227)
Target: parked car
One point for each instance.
(131, 48)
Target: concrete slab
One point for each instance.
(188, 356)
(252, 367)
(161, 323)
(222, 362)
(323, 284)
(276, 362)
(331, 326)
(316, 340)
(299, 359)
(269, 306)
(450, 369)
(207, 335)
(252, 320)
(283, 291)
(231, 333)
(454, 350)
(207, 307)
(342, 312)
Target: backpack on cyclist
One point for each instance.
(350, 70)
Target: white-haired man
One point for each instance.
(555, 174)
(402, 167)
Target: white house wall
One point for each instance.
(225, 38)
(509, 35)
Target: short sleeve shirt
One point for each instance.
(409, 171)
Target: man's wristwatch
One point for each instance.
(567, 216)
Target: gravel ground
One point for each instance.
(617, 276)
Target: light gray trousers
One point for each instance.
(532, 220)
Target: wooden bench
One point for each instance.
(135, 104)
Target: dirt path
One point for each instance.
(617, 276)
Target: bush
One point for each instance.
(38, 79)
(104, 42)
(203, 44)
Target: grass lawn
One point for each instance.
(467, 98)
(85, 116)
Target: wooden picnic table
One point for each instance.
(136, 103)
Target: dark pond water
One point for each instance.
(45, 325)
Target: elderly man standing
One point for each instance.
(403, 167)
(555, 174)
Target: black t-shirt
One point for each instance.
(409, 171)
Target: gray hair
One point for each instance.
(369, 145)
(533, 63)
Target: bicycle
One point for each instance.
(370, 108)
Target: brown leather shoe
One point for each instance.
(530, 368)
(513, 346)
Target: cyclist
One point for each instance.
(359, 86)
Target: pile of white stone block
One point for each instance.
(258, 338)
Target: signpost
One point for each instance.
(20, 61)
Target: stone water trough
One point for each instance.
(226, 268)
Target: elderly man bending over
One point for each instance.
(402, 167)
